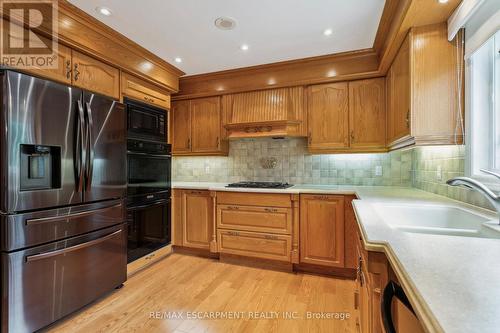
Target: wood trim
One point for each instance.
(339, 272)
(295, 228)
(388, 15)
(88, 35)
(335, 67)
(213, 242)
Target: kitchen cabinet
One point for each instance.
(322, 230)
(258, 225)
(138, 89)
(367, 114)
(423, 94)
(197, 127)
(347, 117)
(328, 116)
(193, 219)
(64, 65)
(94, 75)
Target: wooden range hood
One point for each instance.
(265, 113)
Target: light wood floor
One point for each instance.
(186, 284)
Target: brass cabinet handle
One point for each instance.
(356, 300)
(68, 69)
(233, 233)
(233, 207)
(270, 237)
(321, 197)
(270, 210)
(77, 72)
(149, 99)
(352, 135)
(195, 192)
(309, 137)
(189, 143)
(408, 119)
(218, 143)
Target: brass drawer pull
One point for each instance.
(270, 210)
(271, 237)
(68, 69)
(321, 197)
(233, 233)
(233, 207)
(77, 72)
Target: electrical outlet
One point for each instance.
(378, 170)
(439, 173)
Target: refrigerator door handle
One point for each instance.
(90, 147)
(81, 153)
(71, 248)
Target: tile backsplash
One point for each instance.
(295, 165)
(426, 168)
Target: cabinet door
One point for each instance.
(94, 75)
(181, 127)
(197, 219)
(63, 71)
(328, 112)
(322, 230)
(367, 115)
(399, 95)
(146, 92)
(206, 124)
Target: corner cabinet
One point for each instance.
(322, 230)
(347, 117)
(423, 93)
(197, 127)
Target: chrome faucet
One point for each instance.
(473, 184)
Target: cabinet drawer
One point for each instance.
(252, 244)
(254, 199)
(253, 218)
(146, 92)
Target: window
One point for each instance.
(483, 106)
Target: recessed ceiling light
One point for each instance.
(103, 11)
(178, 60)
(225, 23)
(443, 1)
(327, 32)
(244, 47)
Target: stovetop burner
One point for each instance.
(275, 185)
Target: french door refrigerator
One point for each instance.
(63, 180)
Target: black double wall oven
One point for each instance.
(149, 180)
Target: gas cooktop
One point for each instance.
(260, 185)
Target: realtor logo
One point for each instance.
(29, 34)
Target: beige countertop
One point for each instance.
(451, 281)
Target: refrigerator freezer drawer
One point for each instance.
(30, 229)
(43, 284)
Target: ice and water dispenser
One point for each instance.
(40, 167)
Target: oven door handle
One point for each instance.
(71, 248)
(149, 204)
(151, 155)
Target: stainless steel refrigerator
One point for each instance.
(63, 180)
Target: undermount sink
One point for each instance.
(439, 220)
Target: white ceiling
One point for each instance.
(275, 30)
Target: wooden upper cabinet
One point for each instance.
(367, 114)
(398, 95)
(197, 219)
(63, 71)
(423, 93)
(136, 88)
(206, 124)
(322, 230)
(94, 75)
(181, 126)
(328, 116)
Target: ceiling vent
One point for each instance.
(225, 23)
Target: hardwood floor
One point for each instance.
(182, 285)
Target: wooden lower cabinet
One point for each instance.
(322, 230)
(373, 273)
(251, 218)
(193, 216)
(253, 244)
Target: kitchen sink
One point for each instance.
(440, 220)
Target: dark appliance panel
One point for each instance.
(39, 227)
(106, 172)
(37, 143)
(148, 173)
(45, 283)
(146, 122)
(148, 228)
